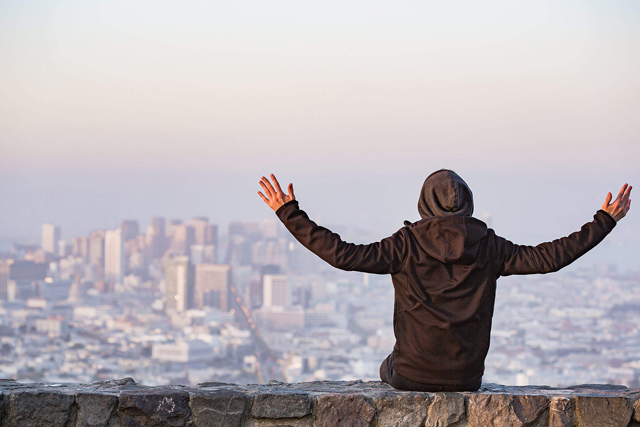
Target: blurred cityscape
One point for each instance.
(182, 303)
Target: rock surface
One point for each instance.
(121, 403)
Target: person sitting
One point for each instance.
(444, 269)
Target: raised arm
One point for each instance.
(383, 257)
(552, 256)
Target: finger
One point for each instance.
(268, 187)
(621, 193)
(263, 197)
(266, 190)
(627, 194)
(276, 183)
(607, 201)
(293, 197)
(268, 184)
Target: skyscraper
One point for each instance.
(155, 238)
(170, 228)
(275, 290)
(212, 283)
(183, 238)
(130, 229)
(20, 274)
(80, 248)
(50, 236)
(113, 256)
(96, 248)
(179, 281)
(5, 275)
(157, 223)
(204, 233)
(96, 253)
(203, 254)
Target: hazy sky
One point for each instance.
(127, 109)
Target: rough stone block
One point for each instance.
(343, 410)
(507, 410)
(603, 411)
(561, 412)
(281, 405)
(95, 409)
(325, 403)
(447, 409)
(157, 407)
(218, 409)
(401, 409)
(636, 411)
(40, 407)
(532, 410)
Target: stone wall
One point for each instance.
(325, 403)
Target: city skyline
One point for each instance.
(133, 135)
(139, 109)
(162, 309)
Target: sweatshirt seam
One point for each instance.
(406, 252)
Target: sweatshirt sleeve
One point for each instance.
(384, 257)
(552, 256)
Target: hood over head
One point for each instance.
(454, 239)
(444, 193)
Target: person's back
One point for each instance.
(444, 270)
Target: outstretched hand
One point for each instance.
(620, 206)
(275, 197)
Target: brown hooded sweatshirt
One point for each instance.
(444, 270)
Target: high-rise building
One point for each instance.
(171, 228)
(275, 290)
(270, 252)
(20, 274)
(156, 238)
(64, 249)
(5, 274)
(113, 256)
(240, 236)
(212, 283)
(247, 229)
(80, 248)
(157, 223)
(179, 284)
(96, 248)
(183, 238)
(50, 236)
(204, 233)
(238, 251)
(203, 254)
(130, 229)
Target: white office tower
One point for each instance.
(179, 277)
(113, 256)
(275, 290)
(50, 237)
(212, 286)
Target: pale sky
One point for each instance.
(127, 109)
